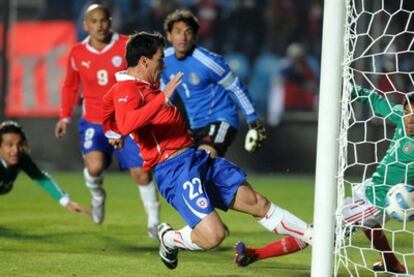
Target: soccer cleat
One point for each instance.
(153, 232)
(98, 208)
(379, 267)
(242, 258)
(168, 256)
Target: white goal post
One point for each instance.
(327, 146)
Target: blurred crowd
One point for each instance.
(273, 45)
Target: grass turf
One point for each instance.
(39, 238)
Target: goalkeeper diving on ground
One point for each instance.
(14, 157)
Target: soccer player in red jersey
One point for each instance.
(91, 65)
(190, 180)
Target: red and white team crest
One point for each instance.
(202, 202)
(117, 61)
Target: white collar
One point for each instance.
(4, 163)
(114, 38)
(124, 76)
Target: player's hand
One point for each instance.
(173, 84)
(77, 208)
(60, 128)
(117, 143)
(255, 136)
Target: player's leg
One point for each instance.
(287, 245)
(389, 262)
(95, 163)
(130, 158)
(182, 181)
(96, 153)
(272, 217)
(215, 138)
(359, 212)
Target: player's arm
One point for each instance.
(378, 103)
(48, 184)
(69, 96)
(223, 76)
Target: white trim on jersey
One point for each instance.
(221, 133)
(244, 100)
(114, 38)
(227, 80)
(124, 76)
(207, 61)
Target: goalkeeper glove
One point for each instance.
(255, 136)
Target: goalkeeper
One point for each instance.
(14, 157)
(210, 92)
(366, 208)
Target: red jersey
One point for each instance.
(95, 71)
(138, 108)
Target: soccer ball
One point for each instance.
(399, 202)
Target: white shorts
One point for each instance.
(358, 210)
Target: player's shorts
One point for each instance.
(358, 210)
(195, 184)
(218, 134)
(93, 139)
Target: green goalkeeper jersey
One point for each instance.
(8, 175)
(397, 166)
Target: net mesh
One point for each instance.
(379, 57)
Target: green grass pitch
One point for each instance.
(40, 238)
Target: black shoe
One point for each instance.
(168, 256)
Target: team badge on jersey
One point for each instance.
(202, 202)
(117, 61)
(194, 79)
(408, 147)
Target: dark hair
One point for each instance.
(181, 15)
(408, 99)
(143, 44)
(12, 127)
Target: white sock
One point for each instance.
(149, 198)
(94, 184)
(180, 239)
(280, 221)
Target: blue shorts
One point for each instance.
(195, 184)
(93, 139)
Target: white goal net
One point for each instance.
(378, 74)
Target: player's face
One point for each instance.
(154, 66)
(182, 38)
(409, 119)
(98, 25)
(11, 148)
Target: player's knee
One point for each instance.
(92, 180)
(140, 177)
(215, 238)
(95, 170)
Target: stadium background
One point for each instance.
(252, 35)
